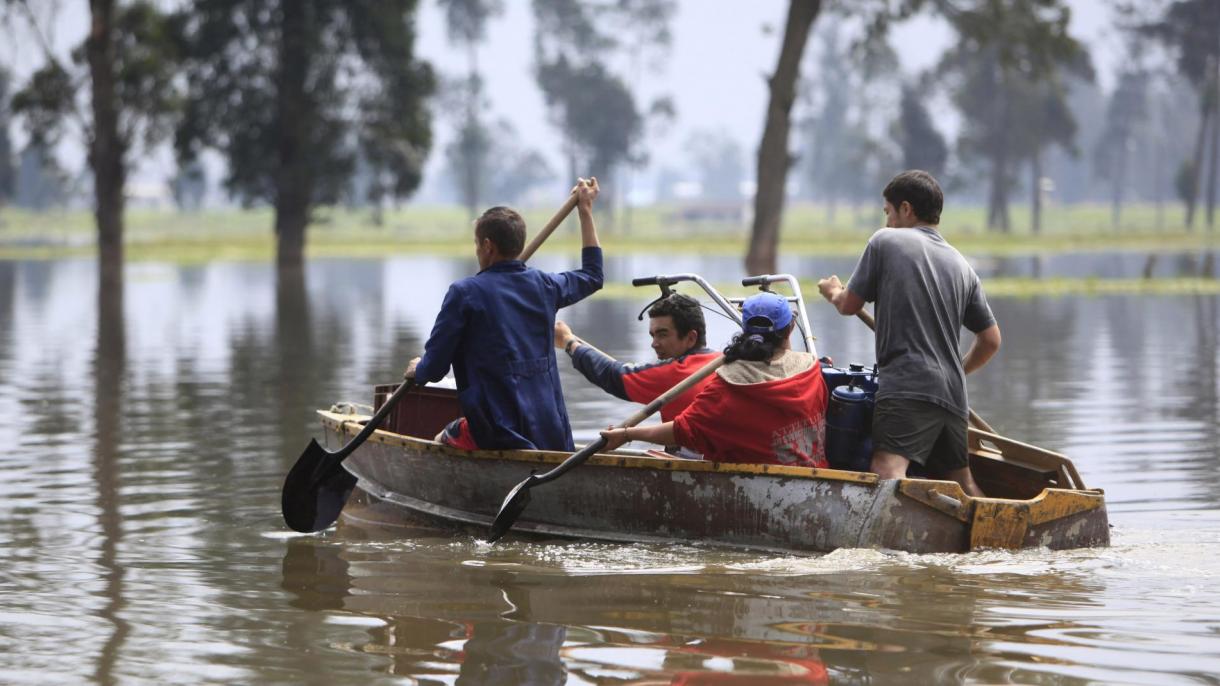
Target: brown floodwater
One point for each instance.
(147, 434)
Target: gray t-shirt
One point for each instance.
(925, 293)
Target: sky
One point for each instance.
(722, 53)
(715, 73)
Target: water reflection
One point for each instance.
(109, 368)
(142, 540)
(523, 616)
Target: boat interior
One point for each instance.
(1002, 467)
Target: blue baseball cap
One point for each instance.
(765, 306)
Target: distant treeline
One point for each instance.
(325, 103)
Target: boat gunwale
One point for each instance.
(350, 425)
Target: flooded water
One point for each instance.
(147, 435)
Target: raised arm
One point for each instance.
(576, 285)
(586, 191)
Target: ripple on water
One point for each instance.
(142, 540)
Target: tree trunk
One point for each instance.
(1215, 152)
(1119, 180)
(997, 203)
(1196, 171)
(1158, 176)
(1035, 165)
(106, 148)
(476, 155)
(773, 157)
(294, 179)
(108, 372)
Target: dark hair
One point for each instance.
(757, 346)
(686, 313)
(504, 228)
(921, 190)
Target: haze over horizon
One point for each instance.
(715, 74)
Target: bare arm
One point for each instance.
(986, 344)
(661, 434)
(845, 301)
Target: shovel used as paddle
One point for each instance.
(519, 498)
(317, 487)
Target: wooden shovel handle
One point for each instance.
(640, 415)
(550, 227)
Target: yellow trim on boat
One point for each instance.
(1003, 523)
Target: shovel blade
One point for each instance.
(315, 490)
(514, 504)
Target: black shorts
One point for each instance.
(922, 432)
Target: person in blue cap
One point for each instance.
(766, 405)
(495, 330)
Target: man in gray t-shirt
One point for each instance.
(925, 292)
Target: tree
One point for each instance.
(1191, 29)
(774, 159)
(1074, 174)
(291, 93)
(469, 153)
(595, 108)
(1125, 113)
(189, 186)
(128, 61)
(641, 28)
(596, 113)
(516, 169)
(922, 146)
(506, 170)
(1005, 74)
(8, 172)
(718, 158)
(827, 142)
(1045, 120)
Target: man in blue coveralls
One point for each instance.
(496, 330)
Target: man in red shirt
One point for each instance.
(766, 405)
(679, 338)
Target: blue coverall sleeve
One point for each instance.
(603, 370)
(577, 285)
(446, 336)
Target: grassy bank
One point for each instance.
(808, 230)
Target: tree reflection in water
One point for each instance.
(520, 619)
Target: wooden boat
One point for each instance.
(1036, 497)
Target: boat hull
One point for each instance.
(621, 498)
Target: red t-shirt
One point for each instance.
(772, 422)
(645, 383)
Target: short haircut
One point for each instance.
(921, 190)
(686, 313)
(504, 228)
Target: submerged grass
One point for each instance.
(195, 237)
